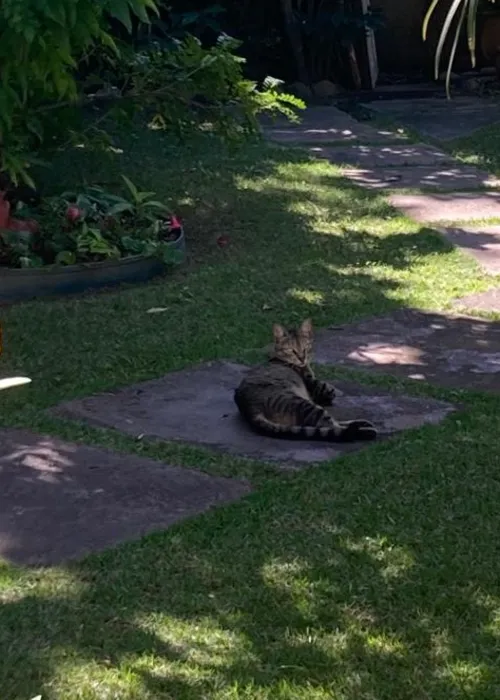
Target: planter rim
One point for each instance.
(65, 269)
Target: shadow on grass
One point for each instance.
(295, 247)
(481, 148)
(330, 584)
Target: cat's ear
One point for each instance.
(279, 333)
(306, 328)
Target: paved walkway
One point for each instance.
(60, 501)
(420, 180)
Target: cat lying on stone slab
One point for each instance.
(283, 398)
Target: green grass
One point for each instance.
(374, 577)
(482, 148)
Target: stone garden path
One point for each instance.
(60, 501)
(420, 180)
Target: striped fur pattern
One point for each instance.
(284, 399)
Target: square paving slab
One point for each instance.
(482, 242)
(484, 301)
(440, 177)
(60, 501)
(461, 206)
(327, 124)
(382, 156)
(452, 351)
(440, 118)
(196, 406)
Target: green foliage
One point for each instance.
(460, 13)
(40, 46)
(89, 226)
(190, 86)
(44, 44)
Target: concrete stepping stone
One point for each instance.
(439, 118)
(484, 301)
(383, 156)
(196, 406)
(59, 501)
(327, 124)
(458, 352)
(481, 242)
(460, 206)
(439, 177)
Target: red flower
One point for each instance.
(222, 241)
(4, 210)
(23, 225)
(73, 213)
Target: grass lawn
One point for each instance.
(482, 148)
(375, 577)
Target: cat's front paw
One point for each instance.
(325, 394)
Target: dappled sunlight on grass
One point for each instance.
(481, 148)
(394, 561)
(17, 584)
(373, 578)
(464, 677)
(386, 644)
(308, 295)
(202, 642)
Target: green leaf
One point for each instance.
(454, 47)
(208, 60)
(35, 126)
(65, 257)
(455, 6)
(30, 261)
(471, 30)
(271, 83)
(26, 178)
(427, 18)
(16, 238)
(107, 40)
(156, 205)
(120, 208)
(119, 9)
(132, 188)
(56, 12)
(132, 245)
(143, 196)
(138, 8)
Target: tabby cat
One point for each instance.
(284, 399)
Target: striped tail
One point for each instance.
(344, 431)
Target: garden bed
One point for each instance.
(30, 283)
(86, 241)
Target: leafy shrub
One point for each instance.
(460, 13)
(186, 86)
(40, 46)
(44, 44)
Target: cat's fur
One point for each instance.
(282, 398)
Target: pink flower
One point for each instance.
(222, 241)
(73, 213)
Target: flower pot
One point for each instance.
(56, 280)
